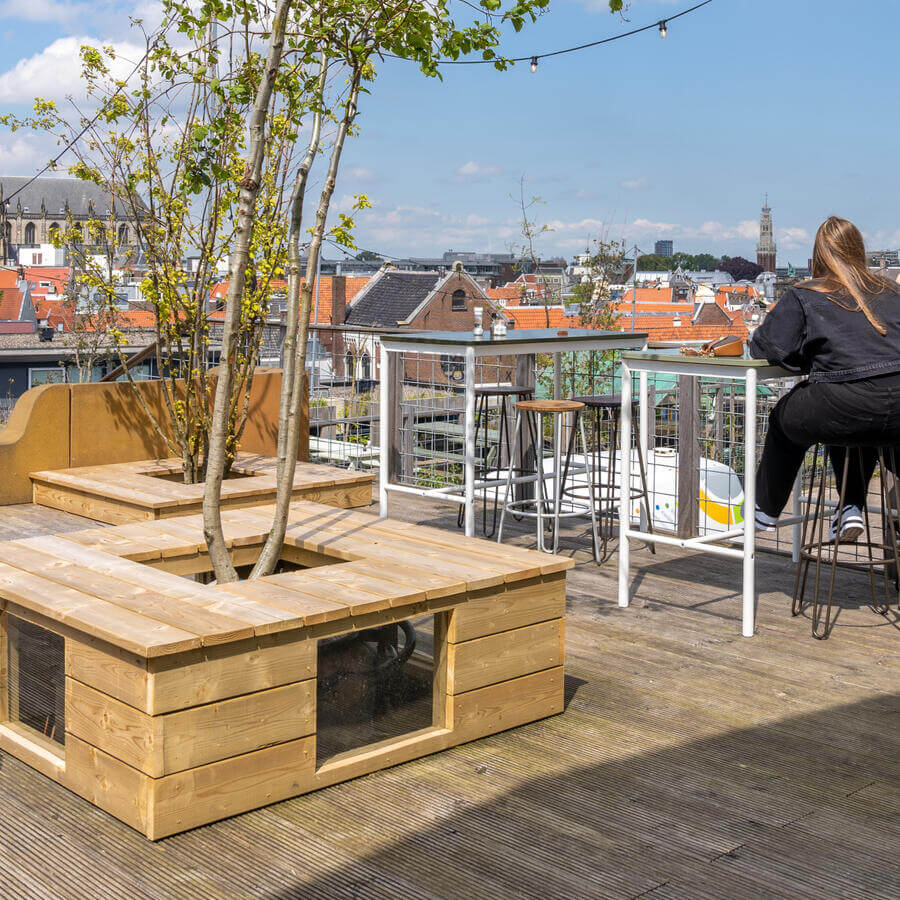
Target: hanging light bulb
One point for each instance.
(534, 64)
(663, 31)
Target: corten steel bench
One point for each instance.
(184, 703)
(152, 489)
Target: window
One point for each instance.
(123, 234)
(29, 233)
(458, 301)
(53, 232)
(49, 375)
(35, 681)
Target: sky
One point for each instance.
(638, 140)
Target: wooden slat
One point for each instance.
(306, 511)
(110, 488)
(107, 540)
(164, 744)
(359, 602)
(513, 606)
(304, 608)
(83, 612)
(263, 618)
(216, 673)
(428, 553)
(232, 786)
(212, 627)
(357, 575)
(508, 704)
(89, 506)
(500, 657)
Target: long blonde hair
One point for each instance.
(839, 266)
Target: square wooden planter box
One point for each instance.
(170, 703)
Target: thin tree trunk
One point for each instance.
(215, 465)
(285, 475)
(289, 399)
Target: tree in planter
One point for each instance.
(357, 32)
(168, 146)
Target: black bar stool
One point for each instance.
(531, 414)
(817, 547)
(498, 454)
(607, 408)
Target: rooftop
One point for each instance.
(689, 763)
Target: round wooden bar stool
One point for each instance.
(498, 453)
(821, 542)
(607, 408)
(531, 415)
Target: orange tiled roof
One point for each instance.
(647, 295)
(659, 328)
(536, 317)
(680, 309)
(11, 298)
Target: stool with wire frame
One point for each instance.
(544, 507)
(817, 547)
(497, 452)
(607, 408)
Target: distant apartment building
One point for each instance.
(664, 249)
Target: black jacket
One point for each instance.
(827, 336)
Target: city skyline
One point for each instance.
(440, 159)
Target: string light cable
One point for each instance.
(534, 58)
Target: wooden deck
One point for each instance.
(690, 762)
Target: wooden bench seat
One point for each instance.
(175, 688)
(142, 491)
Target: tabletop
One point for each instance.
(672, 360)
(518, 338)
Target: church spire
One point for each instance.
(765, 249)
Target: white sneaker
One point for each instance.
(851, 522)
(763, 521)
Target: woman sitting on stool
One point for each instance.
(842, 328)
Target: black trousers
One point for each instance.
(865, 413)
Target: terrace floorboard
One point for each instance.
(690, 762)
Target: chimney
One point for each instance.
(338, 299)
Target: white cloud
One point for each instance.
(359, 173)
(55, 72)
(19, 156)
(473, 220)
(44, 10)
(793, 238)
(472, 172)
(633, 184)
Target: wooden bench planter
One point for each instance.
(150, 489)
(178, 703)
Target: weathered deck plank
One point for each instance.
(689, 763)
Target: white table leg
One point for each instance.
(624, 485)
(470, 443)
(749, 598)
(643, 435)
(384, 430)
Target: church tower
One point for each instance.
(765, 249)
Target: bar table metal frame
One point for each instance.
(751, 372)
(517, 342)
